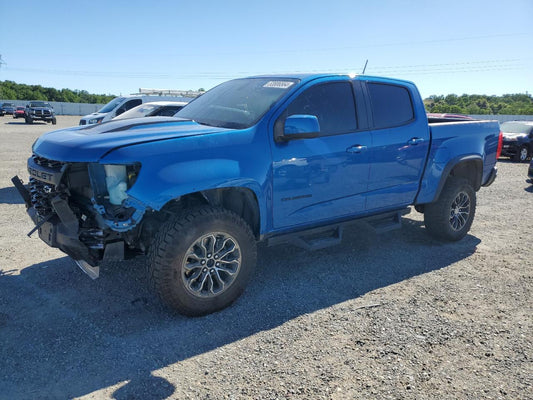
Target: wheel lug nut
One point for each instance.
(216, 256)
(217, 264)
(211, 270)
(209, 256)
(202, 262)
(204, 270)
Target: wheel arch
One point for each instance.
(240, 200)
(467, 167)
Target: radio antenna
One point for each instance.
(364, 69)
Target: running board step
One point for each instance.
(386, 223)
(331, 235)
(328, 238)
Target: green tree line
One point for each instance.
(508, 104)
(10, 90)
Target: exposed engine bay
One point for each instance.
(84, 210)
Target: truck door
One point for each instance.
(400, 142)
(324, 177)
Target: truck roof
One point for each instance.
(307, 77)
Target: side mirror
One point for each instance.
(301, 126)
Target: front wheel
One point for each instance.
(29, 120)
(451, 216)
(201, 260)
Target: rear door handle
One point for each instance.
(414, 141)
(356, 149)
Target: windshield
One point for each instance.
(139, 111)
(515, 127)
(39, 104)
(111, 105)
(237, 104)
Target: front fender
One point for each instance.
(181, 178)
(174, 168)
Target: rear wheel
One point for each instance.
(451, 216)
(522, 154)
(201, 261)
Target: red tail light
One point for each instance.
(500, 144)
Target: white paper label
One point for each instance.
(278, 84)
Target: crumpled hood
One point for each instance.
(89, 143)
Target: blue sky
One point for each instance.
(116, 47)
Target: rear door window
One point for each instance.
(391, 105)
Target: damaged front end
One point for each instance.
(84, 210)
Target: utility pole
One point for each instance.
(1, 63)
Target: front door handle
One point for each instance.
(414, 141)
(356, 149)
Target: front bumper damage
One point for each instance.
(88, 234)
(60, 230)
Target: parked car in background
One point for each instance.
(517, 140)
(120, 105)
(19, 112)
(7, 108)
(39, 110)
(153, 109)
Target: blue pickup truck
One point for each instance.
(268, 158)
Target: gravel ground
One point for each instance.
(391, 316)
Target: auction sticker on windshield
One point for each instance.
(278, 84)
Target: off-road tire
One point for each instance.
(54, 121)
(169, 268)
(451, 216)
(28, 120)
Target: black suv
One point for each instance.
(517, 140)
(39, 110)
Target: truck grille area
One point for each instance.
(41, 195)
(41, 113)
(44, 162)
(42, 192)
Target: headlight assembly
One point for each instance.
(96, 120)
(112, 181)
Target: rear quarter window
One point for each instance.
(391, 105)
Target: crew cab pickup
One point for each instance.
(269, 158)
(39, 111)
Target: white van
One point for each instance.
(120, 104)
